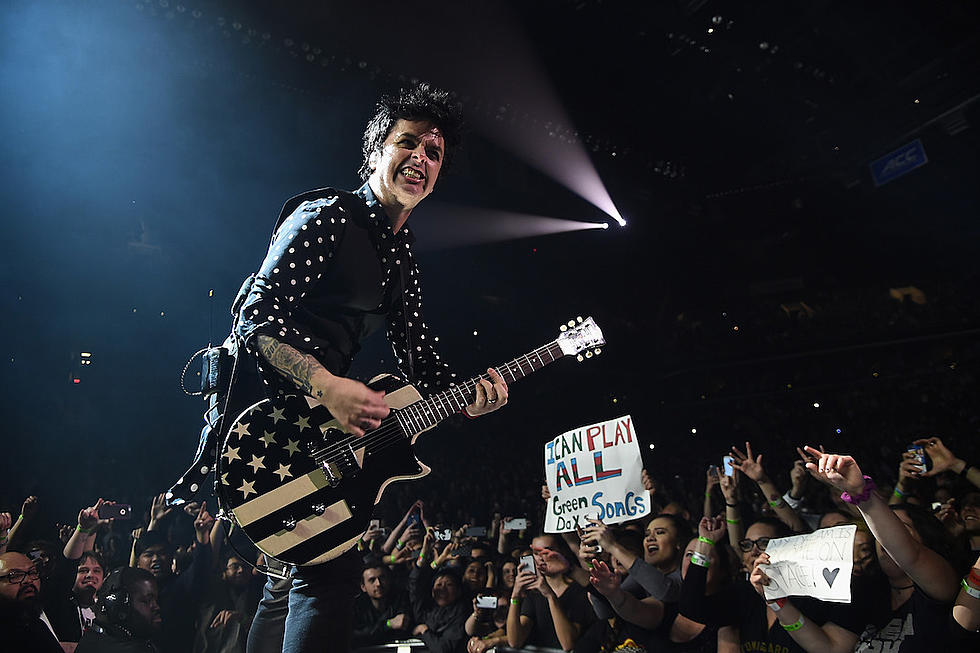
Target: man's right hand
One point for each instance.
(398, 622)
(357, 407)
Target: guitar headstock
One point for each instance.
(581, 338)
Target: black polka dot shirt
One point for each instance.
(335, 272)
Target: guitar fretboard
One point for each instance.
(427, 413)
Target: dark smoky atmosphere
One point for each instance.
(769, 210)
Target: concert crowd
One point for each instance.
(452, 571)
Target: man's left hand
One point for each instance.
(489, 396)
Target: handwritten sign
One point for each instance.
(817, 564)
(594, 471)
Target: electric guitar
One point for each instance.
(304, 491)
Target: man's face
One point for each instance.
(970, 513)
(445, 591)
(234, 572)
(88, 577)
(374, 583)
(157, 561)
(27, 590)
(145, 606)
(405, 171)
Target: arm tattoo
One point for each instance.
(289, 362)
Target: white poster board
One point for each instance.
(817, 564)
(594, 471)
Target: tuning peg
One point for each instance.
(571, 323)
(588, 354)
(564, 328)
(598, 351)
(579, 358)
(579, 318)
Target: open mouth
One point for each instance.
(413, 175)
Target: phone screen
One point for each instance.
(727, 463)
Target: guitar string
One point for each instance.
(380, 439)
(469, 386)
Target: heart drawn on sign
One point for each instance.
(830, 576)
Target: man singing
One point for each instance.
(341, 264)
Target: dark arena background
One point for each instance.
(770, 209)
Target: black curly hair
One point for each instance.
(420, 102)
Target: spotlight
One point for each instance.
(816, 405)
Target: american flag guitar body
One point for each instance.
(304, 491)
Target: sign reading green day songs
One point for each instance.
(594, 471)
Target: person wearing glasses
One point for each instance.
(21, 628)
(746, 623)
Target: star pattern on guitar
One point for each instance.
(266, 452)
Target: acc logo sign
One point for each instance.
(895, 164)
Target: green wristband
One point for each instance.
(733, 521)
(702, 538)
(388, 624)
(793, 627)
(82, 530)
(898, 493)
(514, 601)
(778, 502)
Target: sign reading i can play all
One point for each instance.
(594, 471)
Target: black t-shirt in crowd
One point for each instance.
(574, 601)
(756, 634)
(921, 624)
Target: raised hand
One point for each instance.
(749, 465)
(598, 532)
(29, 508)
(6, 521)
(603, 579)
(729, 488)
(159, 508)
(524, 580)
(711, 480)
(202, 525)
(758, 576)
(942, 458)
(908, 468)
(713, 528)
(541, 584)
(647, 482)
(587, 549)
(545, 493)
(798, 476)
(88, 518)
(950, 518)
(842, 472)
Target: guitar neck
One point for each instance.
(428, 412)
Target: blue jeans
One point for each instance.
(311, 612)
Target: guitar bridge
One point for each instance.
(332, 471)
